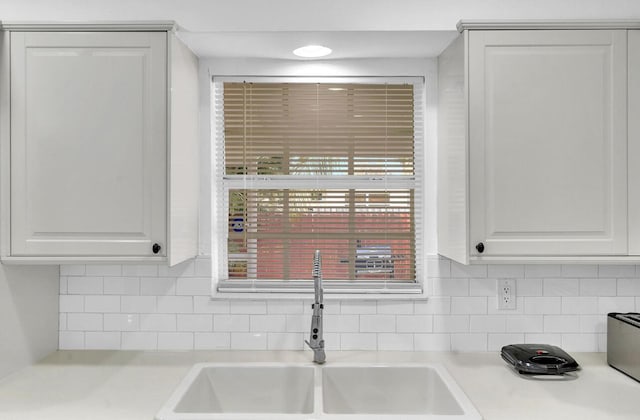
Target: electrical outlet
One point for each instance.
(506, 293)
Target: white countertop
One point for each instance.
(130, 385)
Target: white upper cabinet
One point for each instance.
(96, 147)
(634, 142)
(533, 150)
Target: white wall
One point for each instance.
(28, 315)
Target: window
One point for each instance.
(331, 165)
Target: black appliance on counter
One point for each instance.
(539, 359)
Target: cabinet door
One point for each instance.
(548, 127)
(88, 143)
(634, 142)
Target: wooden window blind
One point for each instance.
(328, 166)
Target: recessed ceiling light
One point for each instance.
(312, 51)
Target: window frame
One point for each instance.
(222, 287)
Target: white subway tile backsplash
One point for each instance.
(377, 323)
(175, 304)
(151, 307)
(579, 270)
(157, 286)
(71, 303)
(102, 340)
(560, 287)
(195, 322)
(403, 307)
(500, 271)
(83, 285)
(525, 324)
(432, 342)
(254, 307)
(438, 267)
(580, 343)
(450, 323)
(102, 303)
(529, 287)
(284, 307)
(84, 322)
(542, 305)
(248, 341)
(542, 270)
(395, 342)
(469, 342)
(561, 323)
(121, 286)
(593, 323)
(103, 270)
(608, 304)
(71, 340)
(628, 287)
(121, 322)
(230, 323)
(468, 271)
(487, 323)
(140, 270)
(358, 341)
(268, 323)
(414, 323)
(212, 341)
(497, 340)
(204, 304)
(285, 341)
(202, 267)
(193, 286)
(617, 271)
(468, 305)
(301, 323)
(184, 269)
(64, 285)
(358, 307)
(157, 322)
(72, 270)
(175, 341)
(139, 341)
(579, 304)
(482, 287)
(434, 305)
(138, 304)
(545, 338)
(332, 323)
(450, 287)
(598, 287)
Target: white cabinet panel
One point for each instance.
(539, 144)
(88, 143)
(547, 138)
(634, 142)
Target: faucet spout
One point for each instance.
(316, 342)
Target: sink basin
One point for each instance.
(243, 391)
(412, 391)
(288, 391)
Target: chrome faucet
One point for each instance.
(316, 342)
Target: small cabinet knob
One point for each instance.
(156, 248)
(480, 247)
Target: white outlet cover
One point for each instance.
(506, 294)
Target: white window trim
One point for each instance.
(301, 290)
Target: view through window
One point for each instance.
(328, 166)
